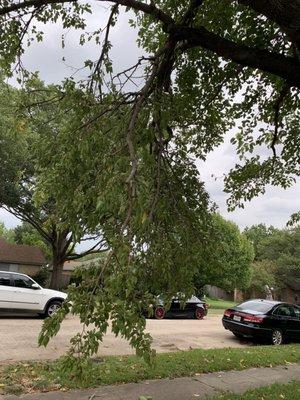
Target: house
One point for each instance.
(70, 266)
(291, 293)
(20, 258)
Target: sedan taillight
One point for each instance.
(254, 319)
(227, 313)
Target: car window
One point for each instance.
(297, 311)
(254, 305)
(284, 311)
(5, 279)
(22, 281)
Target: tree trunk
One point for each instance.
(56, 277)
(60, 244)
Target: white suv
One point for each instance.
(20, 293)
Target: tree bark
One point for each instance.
(56, 277)
(59, 256)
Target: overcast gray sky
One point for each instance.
(274, 207)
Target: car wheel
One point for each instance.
(52, 308)
(159, 313)
(199, 313)
(277, 337)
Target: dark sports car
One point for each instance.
(273, 321)
(194, 308)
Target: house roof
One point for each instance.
(20, 254)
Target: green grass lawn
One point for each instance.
(41, 376)
(289, 391)
(217, 306)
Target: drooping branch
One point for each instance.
(105, 48)
(277, 106)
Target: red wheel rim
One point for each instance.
(159, 313)
(199, 313)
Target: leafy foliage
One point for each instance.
(27, 124)
(5, 233)
(229, 258)
(125, 164)
(26, 234)
(278, 256)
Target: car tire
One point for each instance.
(199, 313)
(277, 337)
(159, 313)
(52, 308)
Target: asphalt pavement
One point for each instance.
(18, 337)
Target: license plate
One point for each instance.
(237, 318)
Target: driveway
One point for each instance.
(18, 337)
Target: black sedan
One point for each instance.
(273, 321)
(193, 308)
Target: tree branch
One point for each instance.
(28, 218)
(105, 48)
(31, 3)
(285, 67)
(150, 9)
(285, 13)
(278, 103)
(92, 250)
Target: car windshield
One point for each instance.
(258, 306)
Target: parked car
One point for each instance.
(194, 308)
(273, 321)
(20, 293)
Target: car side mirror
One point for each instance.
(35, 286)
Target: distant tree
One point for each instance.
(283, 248)
(22, 132)
(7, 234)
(258, 234)
(228, 258)
(27, 234)
(277, 255)
(262, 276)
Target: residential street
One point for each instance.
(18, 337)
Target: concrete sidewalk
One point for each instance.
(196, 387)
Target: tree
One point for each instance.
(258, 235)
(229, 259)
(262, 277)
(6, 233)
(283, 249)
(277, 258)
(20, 135)
(208, 64)
(27, 234)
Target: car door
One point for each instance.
(175, 307)
(284, 319)
(6, 290)
(24, 296)
(296, 319)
